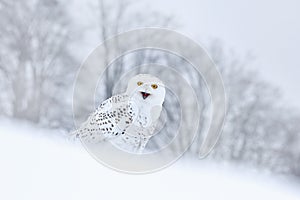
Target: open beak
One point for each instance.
(145, 95)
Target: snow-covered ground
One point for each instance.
(37, 164)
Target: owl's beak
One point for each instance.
(145, 95)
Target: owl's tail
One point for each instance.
(74, 135)
(83, 135)
(77, 135)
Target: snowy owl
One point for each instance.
(128, 120)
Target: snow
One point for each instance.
(38, 164)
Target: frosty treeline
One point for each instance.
(38, 64)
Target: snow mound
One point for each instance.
(36, 164)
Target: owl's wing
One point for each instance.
(108, 121)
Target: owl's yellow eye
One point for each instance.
(154, 86)
(139, 83)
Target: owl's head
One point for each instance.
(146, 88)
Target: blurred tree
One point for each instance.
(34, 59)
(116, 16)
(260, 129)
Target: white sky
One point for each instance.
(270, 30)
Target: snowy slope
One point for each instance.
(34, 166)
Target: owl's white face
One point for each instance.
(146, 88)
